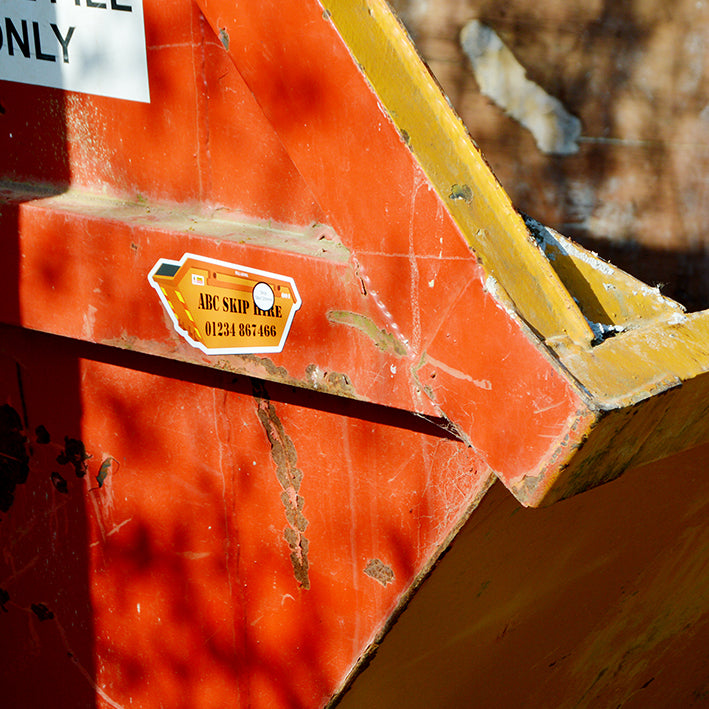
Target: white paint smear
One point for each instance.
(504, 80)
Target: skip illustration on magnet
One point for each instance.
(224, 308)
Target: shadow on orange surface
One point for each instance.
(46, 617)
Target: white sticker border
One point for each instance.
(297, 302)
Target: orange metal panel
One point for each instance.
(187, 528)
(421, 285)
(598, 601)
(189, 538)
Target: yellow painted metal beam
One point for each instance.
(643, 364)
(610, 299)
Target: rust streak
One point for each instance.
(289, 477)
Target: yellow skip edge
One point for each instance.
(657, 349)
(442, 146)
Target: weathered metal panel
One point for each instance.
(185, 537)
(600, 600)
(241, 525)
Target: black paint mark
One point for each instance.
(14, 458)
(22, 395)
(652, 679)
(60, 483)
(41, 611)
(2, 110)
(4, 598)
(42, 434)
(74, 454)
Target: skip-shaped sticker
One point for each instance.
(224, 308)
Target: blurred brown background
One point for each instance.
(634, 73)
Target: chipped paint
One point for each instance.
(336, 383)
(461, 192)
(109, 465)
(265, 366)
(379, 571)
(290, 478)
(316, 378)
(224, 38)
(382, 339)
(610, 300)
(504, 80)
(546, 239)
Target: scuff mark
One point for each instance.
(451, 371)
(543, 409)
(118, 527)
(193, 555)
(361, 274)
(290, 478)
(379, 571)
(87, 329)
(504, 80)
(382, 339)
(84, 672)
(457, 374)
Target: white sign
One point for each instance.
(91, 46)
